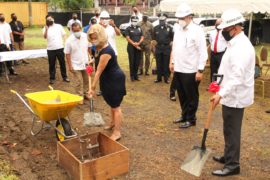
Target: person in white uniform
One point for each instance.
(218, 47)
(237, 88)
(188, 59)
(76, 51)
(110, 28)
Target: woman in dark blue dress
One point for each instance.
(111, 78)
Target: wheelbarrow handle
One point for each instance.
(50, 87)
(24, 102)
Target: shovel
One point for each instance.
(92, 118)
(196, 159)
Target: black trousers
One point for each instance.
(9, 64)
(52, 55)
(134, 57)
(162, 61)
(232, 123)
(215, 63)
(173, 86)
(188, 93)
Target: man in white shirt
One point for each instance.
(237, 88)
(55, 34)
(111, 29)
(73, 20)
(97, 14)
(218, 46)
(6, 39)
(76, 50)
(188, 59)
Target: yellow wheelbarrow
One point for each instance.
(53, 105)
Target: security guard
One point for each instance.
(134, 36)
(163, 34)
(147, 29)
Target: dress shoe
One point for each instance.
(99, 93)
(157, 81)
(172, 98)
(167, 81)
(188, 124)
(147, 74)
(137, 79)
(66, 80)
(52, 81)
(132, 79)
(13, 73)
(226, 172)
(268, 111)
(219, 159)
(140, 72)
(180, 120)
(25, 62)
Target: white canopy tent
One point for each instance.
(218, 6)
(204, 7)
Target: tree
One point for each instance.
(77, 4)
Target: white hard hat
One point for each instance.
(183, 10)
(230, 17)
(104, 14)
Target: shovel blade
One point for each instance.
(195, 161)
(93, 119)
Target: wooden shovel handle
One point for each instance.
(209, 115)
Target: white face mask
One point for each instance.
(106, 22)
(182, 23)
(77, 34)
(134, 23)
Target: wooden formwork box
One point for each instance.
(114, 159)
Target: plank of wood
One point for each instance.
(110, 165)
(68, 161)
(108, 146)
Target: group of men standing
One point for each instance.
(11, 38)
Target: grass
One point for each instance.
(6, 172)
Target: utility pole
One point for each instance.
(30, 12)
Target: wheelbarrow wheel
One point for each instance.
(64, 127)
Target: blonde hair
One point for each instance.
(102, 37)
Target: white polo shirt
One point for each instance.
(71, 21)
(221, 42)
(55, 36)
(238, 66)
(189, 51)
(111, 37)
(5, 31)
(78, 50)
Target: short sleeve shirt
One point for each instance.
(147, 29)
(134, 33)
(55, 37)
(5, 31)
(111, 37)
(17, 27)
(78, 50)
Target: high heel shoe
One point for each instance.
(110, 127)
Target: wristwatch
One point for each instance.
(200, 70)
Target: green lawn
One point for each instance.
(35, 40)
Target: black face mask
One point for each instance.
(97, 14)
(14, 18)
(145, 18)
(135, 11)
(49, 23)
(2, 19)
(74, 18)
(226, 35)
(162, 23)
